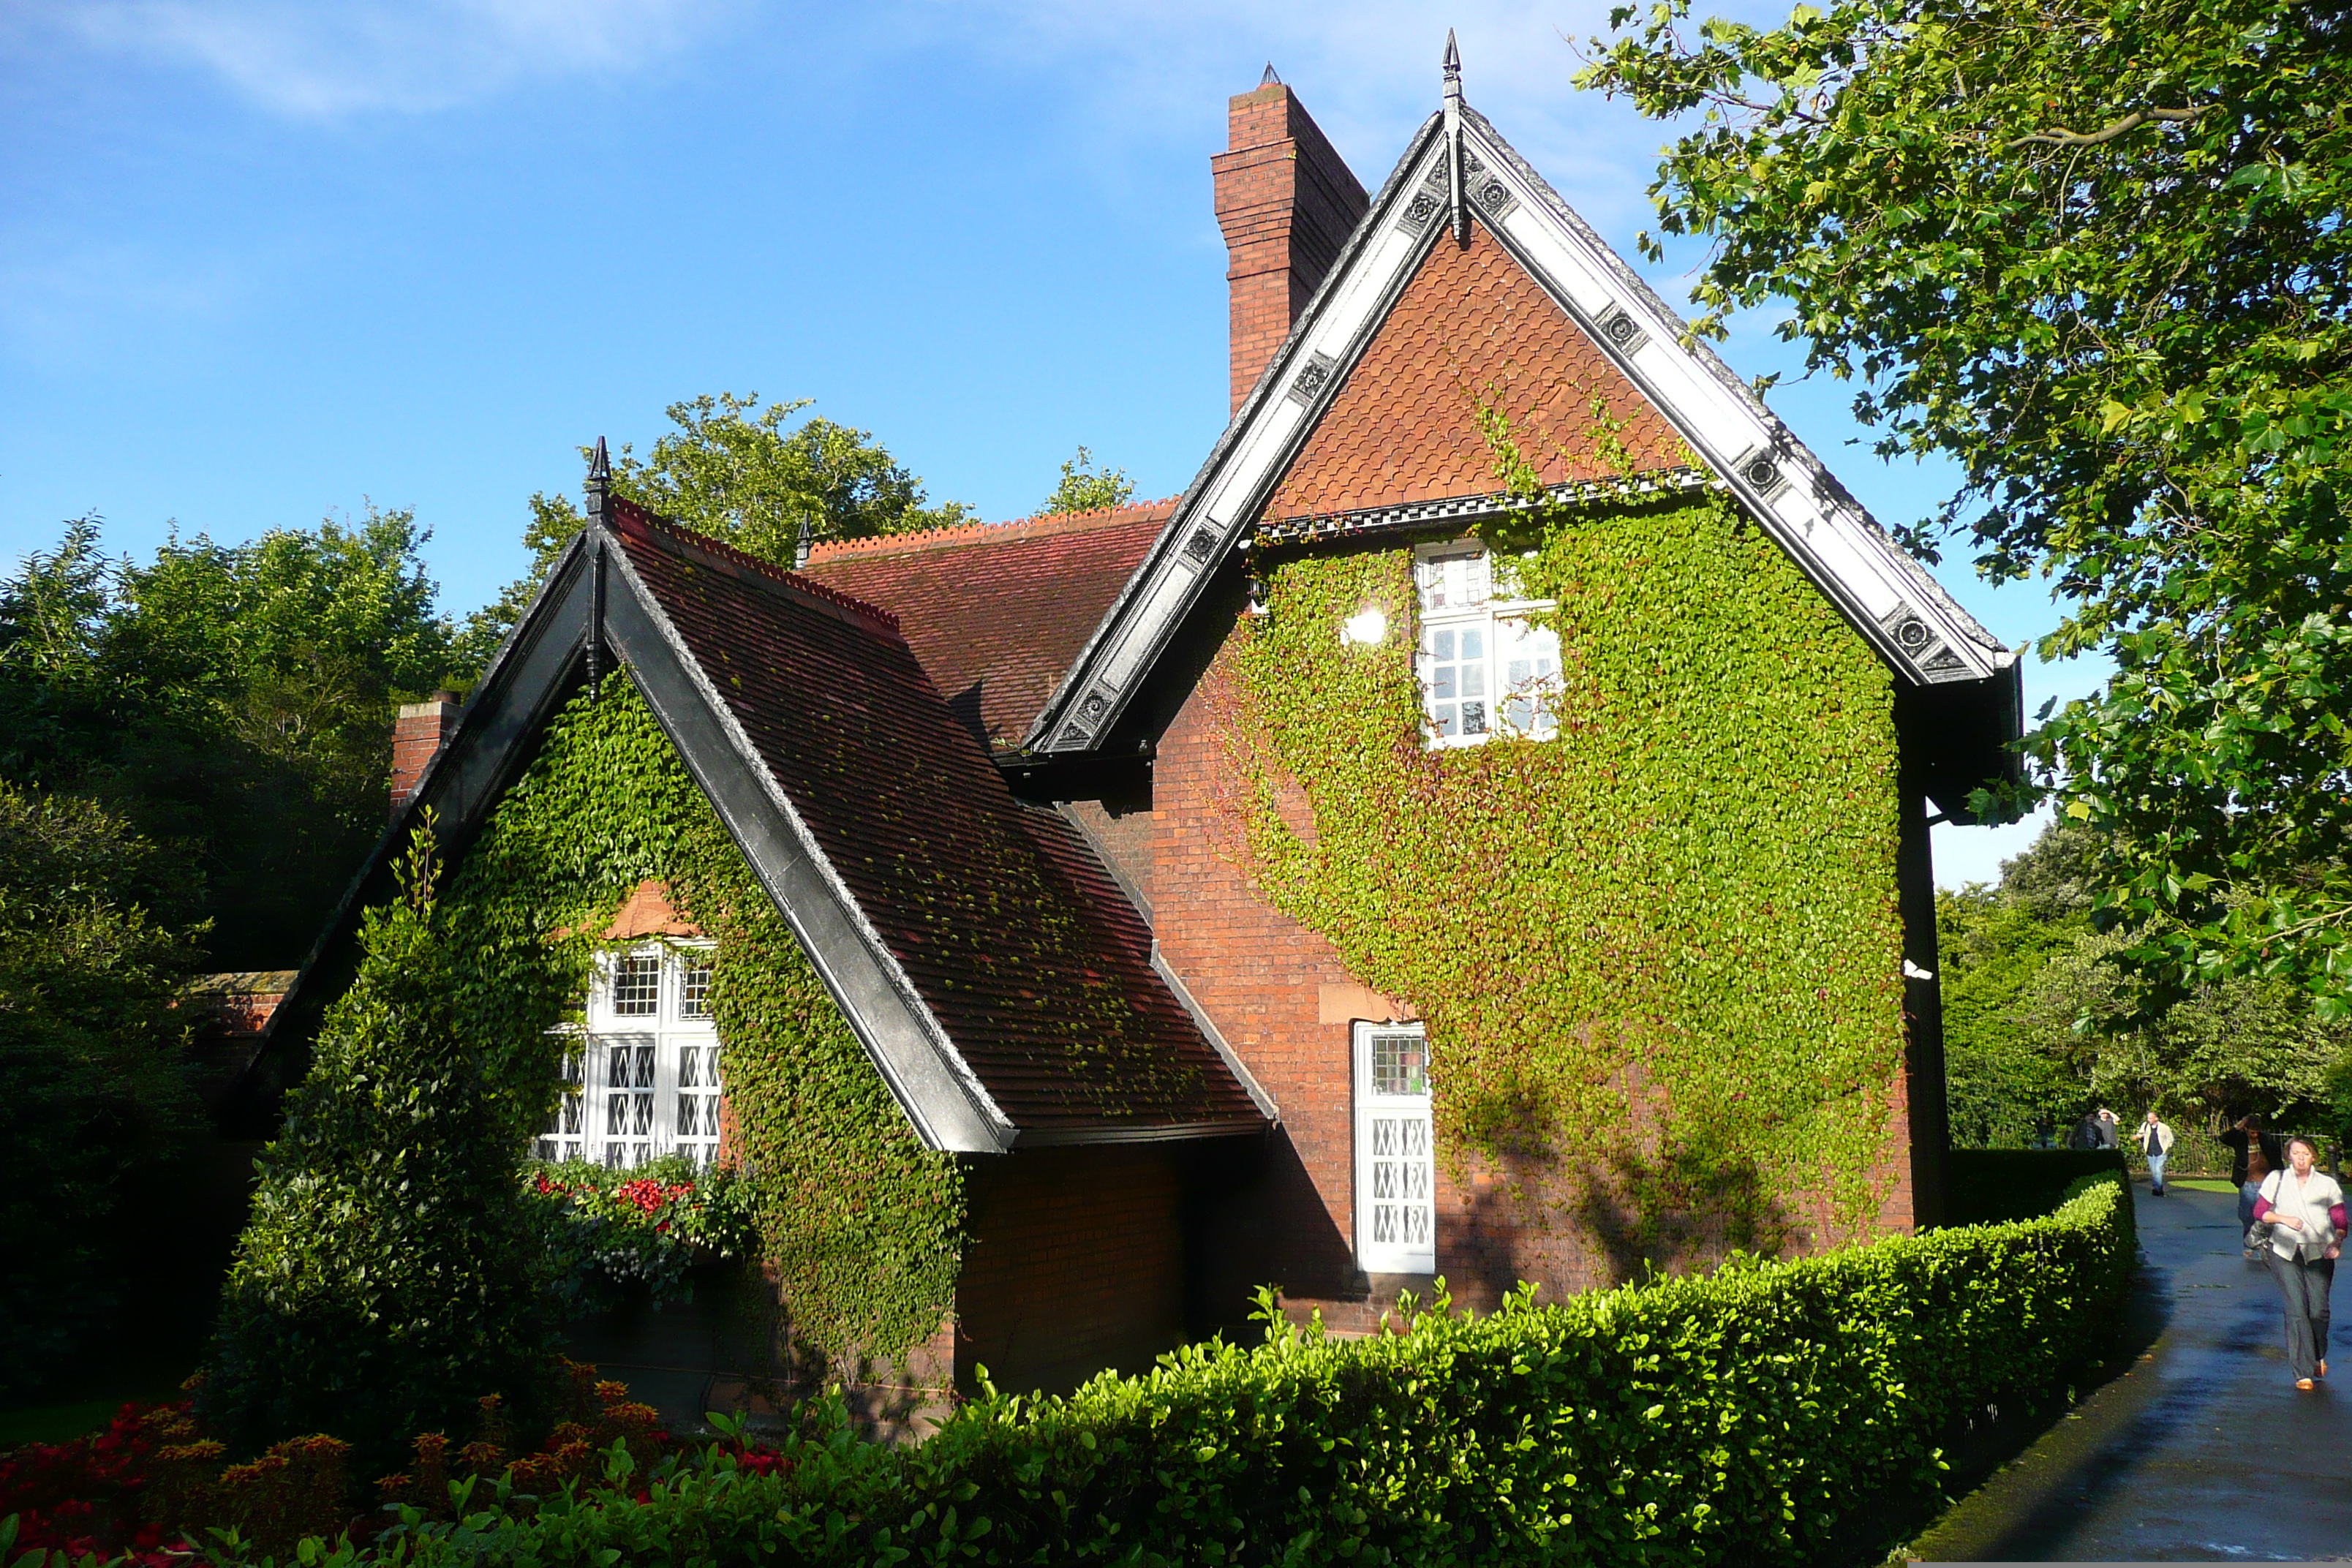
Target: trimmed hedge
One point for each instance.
(1769, 1413)
(1985, 1185)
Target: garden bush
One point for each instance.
(391, 1273)
(1982, 1185)
(1767, 1413)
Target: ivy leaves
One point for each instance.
(1657, 955)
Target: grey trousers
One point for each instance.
(2303, 1288)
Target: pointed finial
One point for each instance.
(805, 546)
(600, 480)
(1453, 139)
(1269, 79)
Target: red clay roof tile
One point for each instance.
(997, 612)
(1014, 937)
(1471, 324)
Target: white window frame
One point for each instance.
(686, 1077)
(1403, 1240)
(1456, 584)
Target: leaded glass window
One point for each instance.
(648, 1074)
(1396, 1209)
(637, 986)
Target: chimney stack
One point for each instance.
(1286, 204)
(418, 731)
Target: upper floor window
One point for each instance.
(1485, 669)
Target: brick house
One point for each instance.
(1049, 705)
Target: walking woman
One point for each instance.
(2305, 1211)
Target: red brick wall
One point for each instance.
(1286, 203)
(1259, 975)
(417, 730)
(1283, 1000)
(1075, 1264)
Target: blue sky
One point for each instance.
(263, 261)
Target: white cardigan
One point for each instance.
(2307, 1199)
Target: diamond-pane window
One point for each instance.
(1395, 1165)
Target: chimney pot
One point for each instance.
(1286, 203)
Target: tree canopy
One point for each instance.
(232, 703)
(739, 472)
(2043, 1019)
(2093, 251)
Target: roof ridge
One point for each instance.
(983, 532)
(646, 517)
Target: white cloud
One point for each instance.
(308, 59)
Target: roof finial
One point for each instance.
(805, 546)
(1454, 138)
(600, 480)
(1269, 79)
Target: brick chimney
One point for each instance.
(418, 731)
(1286, 204)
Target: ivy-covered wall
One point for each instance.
(1659, 956)
(862, 1227)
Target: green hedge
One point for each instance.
(1770, 1412)
(1983, 1185)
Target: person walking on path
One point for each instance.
(2085, 1135)
(2110, 1129)
(2305, 1211)
(2253, 1154)
(2154, 1141)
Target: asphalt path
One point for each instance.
(2204, 1451)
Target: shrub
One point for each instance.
(391, 1275)
(1769, 1413)
(1982, 1185)
(95, 1106)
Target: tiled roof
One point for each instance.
(996, 612)
(1471, 324)
(1015, 938)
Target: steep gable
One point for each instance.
(998, 980)
(1460, 187)
(1472, 328)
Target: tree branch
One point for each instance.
(2132, 121)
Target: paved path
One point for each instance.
(2204, 1452)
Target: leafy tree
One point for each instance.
(234, 701)
(391, 1273)
(742, 473)
(2044, 1018)
(94, 1099)
(1085, 488)
(2096, 252)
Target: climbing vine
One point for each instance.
(1657, 954)
(860, 1224)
